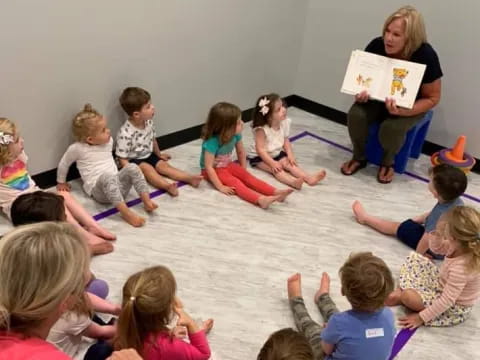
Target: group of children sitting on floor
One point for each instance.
(44, 297)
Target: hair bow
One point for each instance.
(6, 139)
(262, 104)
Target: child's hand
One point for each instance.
(180, 332)
(227, 190)
(63, 187)
(117, 309)
(128, 354)
(276, 167)
(165, 156)
(411, 321)
(291, 160)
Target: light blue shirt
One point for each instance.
(360, 335)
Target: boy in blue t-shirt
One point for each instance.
(367, 331)
(447, 184)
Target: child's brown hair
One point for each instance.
(36, 207)
(7, 128)
(366, 281)
(147, 307)
(286, 344)
(463, 225)
(449, 181)
(264, 108)
(221, 121)
(85, 122)
(133, 99)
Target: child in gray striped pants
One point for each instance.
(102, 180)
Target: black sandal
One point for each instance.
(380, 171)
(361, 164)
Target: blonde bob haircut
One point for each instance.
(415, 33)
(41, 266)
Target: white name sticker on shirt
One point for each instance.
(373, 333)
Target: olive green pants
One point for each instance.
(392, 133)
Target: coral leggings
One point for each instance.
(247, 186)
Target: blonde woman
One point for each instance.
(403, 37)
(43, 270)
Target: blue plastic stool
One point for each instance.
(412, 147)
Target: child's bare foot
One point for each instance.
(132, 218)
(172, 189)
(195, 180)
(149, 205)
(283, 194)
(297, 183)
(294, 286)
(104, 247)
(101, 232)
(207, 325)
(324, 287)
(394, 298)
(359, 212)
(265, 201)
(316, 178)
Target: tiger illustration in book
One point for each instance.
(397, 83)
(363, 82)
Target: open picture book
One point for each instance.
(383, 77)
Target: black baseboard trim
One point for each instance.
(48, 178)
(429, 148)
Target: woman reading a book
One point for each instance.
(404, 38)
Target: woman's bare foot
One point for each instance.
(132, 218)
(394, 298)
(149, 205)
(207, 325)
(104, 247)
(297, 183)
(265, 201)
(195, 180)
(359, 212)
(283, 194)
(313, 180)
(101, 232)
(294, 286)
(172, 189)
(324, 287)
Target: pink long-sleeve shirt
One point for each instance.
(165, 347)
(459, 286)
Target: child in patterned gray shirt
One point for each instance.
(136, 143)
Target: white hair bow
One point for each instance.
(263, 105)
(6, 139)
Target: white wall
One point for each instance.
(334, 29)
(56, 55)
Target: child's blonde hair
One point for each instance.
(221, 121)
(463, 225)
(85, 122)
(286, 344)
(147, 307)
(41, 266)
(7, 127)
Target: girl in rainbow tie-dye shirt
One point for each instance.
(15, 181)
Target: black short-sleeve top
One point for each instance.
(423, 55)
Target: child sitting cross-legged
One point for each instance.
(367, 331)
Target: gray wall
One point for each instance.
(56, 55)
(334, 29)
